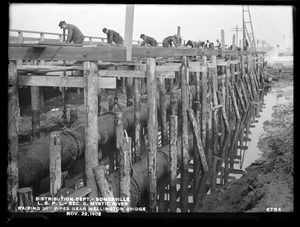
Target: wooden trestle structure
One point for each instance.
(198, 101)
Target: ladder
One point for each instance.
(246, 30)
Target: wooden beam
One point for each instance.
(55, 81)
(91, 124)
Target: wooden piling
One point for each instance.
(240, 97)
(137, 119)
(35, 110)
(163, 112)
(13, 146)
(173, 161)
(204, 102)
(209, 129)
(244, 93)
(137, 115)
(55, 162)
(119, 134)
(185, 155)
(215, 105)
(103, 185)
(91, 124)
(152, 131)
(197, 109)
(196, 132)
(236, 109)
(125, 168)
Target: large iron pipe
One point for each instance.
(34, 156)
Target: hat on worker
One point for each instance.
(61, 23)
(104, 30)
(142, 35)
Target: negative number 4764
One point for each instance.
(275, 209)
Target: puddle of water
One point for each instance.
(253, 153)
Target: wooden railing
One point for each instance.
(59, 37)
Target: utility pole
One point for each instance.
(244, 35)
(236, 29)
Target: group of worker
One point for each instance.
(76, 36)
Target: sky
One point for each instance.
(271, 23)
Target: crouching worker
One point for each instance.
(113, 36)
(74, 34)
(147, 40)
(167, 42)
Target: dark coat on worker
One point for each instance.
(74, 34)
(167, 42)
(147, 40)
(191, 43)
(114, 36)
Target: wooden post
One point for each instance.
(13, 149)
(236, 109)
(104, 187)
(244, 93)
(64, 89)
(91, 124)
(240, 97)
(125, 162)
(173, 162)
(209, 121)
(204, 102)
(137, 120)
(215, 102)
(174, 104)
(119, 134)
(35, 110)
(223, 39)
(152, 131)
(21, 39)
(163, 112)
(197, 163)
(55, 162)
(196, 131)
(42, 62)
(129, 19)
(137, 112)
(185, 155)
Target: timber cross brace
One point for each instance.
(208, 91)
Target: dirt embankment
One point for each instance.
(268, 184)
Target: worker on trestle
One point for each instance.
(74, 33)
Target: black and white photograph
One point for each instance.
(138, 110)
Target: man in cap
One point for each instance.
(167, 42)
(113, 36)
(147, 40)
(74, 34)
